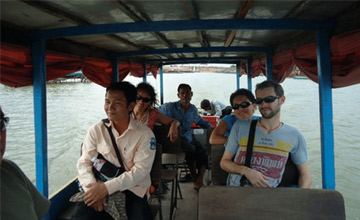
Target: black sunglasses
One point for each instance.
(242, 105)
(4, 121)
(138, 97)
(267, 99)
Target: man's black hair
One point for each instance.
(127, 88)
(205, 103)
(279, 91)
(183, 85)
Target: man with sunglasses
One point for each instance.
(186, 113)
(19, 197)
(274, 141)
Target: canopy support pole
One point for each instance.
(237, 76)
(161, 86)
(40, 117)
(326, 110)
(145, 72)
(248, 65)
(269, 65)
(115, 69)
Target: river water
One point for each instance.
(74, 107)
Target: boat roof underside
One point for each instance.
(19, 16)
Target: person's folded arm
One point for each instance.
(218, 134)
(173, 131)
(256, 178)
(229, 166)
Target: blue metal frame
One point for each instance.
(326, 110)
(199, 59)
(115, 69)
(189, 62)
(161, 85)
(39, 85)
(183, 25)
(195, 50)
(324, 67)
(237, 76)
(145, 72)
(248, 65)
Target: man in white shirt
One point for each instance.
(216, 108)
(136, 144)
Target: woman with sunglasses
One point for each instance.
(19, 197)
(243, 103)
(146, 112)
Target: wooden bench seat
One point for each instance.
(223, 202)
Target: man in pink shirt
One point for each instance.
(136, 144)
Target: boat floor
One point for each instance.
(187, 207)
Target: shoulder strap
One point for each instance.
(249, 149)
(122, 168)
(250, 143)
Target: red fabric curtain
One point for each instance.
(345, 61)
(137, 69)
(17, 70)
(59, 65)
(257, 66)
(16, 65)
(98, 71)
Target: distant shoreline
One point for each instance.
(196, 69)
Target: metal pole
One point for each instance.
(115, 69)
(161, 86)
(237, 76)
(326, 112)
(40, 118)
(145, 72)
(249, 61)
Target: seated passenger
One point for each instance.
(19, 197)
(243, 103)
(145, 111)
(136, 144)
(274, 142)
(186, 113)
(216, 108)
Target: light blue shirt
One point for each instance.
(230, 121)
(270, 151)
(174, 110)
